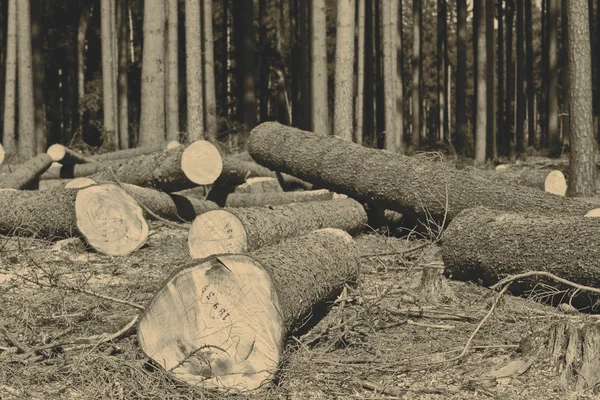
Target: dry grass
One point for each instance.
(372, 340)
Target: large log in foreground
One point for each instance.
(491, 245)
(240, 230)
(107, 217)
(388, 180)
(170, 170)
(27, 173)
(220, 322)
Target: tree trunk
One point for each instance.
(544, 77)
(276, 199)
(108, 95)
(551, 181)
(398, 83)
(318, 71)
(491, 150)
(85, 16)
(243, 15)
(530, 82)
(481, 84)
(9, 134)
(27, 139)
(236, 171)
(123, 89)
(38, 66)
(152, 124)
(500, 99)
(105, 215)
(344, 70)
(369, 85)
(170, 170)
(461, 77)
(416, 74)
(209, 72)
(480, 245)
(360, 74)
(27, 173)
(71, 171)
(248, 305)
(510, 81)
(224, 87)
(193, 65)
(172, 68)
(553, 133)
(564, 116)
(442, 55)
(583, 171)
(388, 74)
(521, 99)
(242, 230)
(403, 184)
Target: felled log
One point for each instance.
(405, 184)
(220, 322)
(59, 171)
(170, 170)
(104, 215)
(130, 153)
(79, 183)
(551, 181)
(237, 171)
(240, 230)
(66, 156)
(259, 185)
(487, 245)
(27, 173)
(2, 154)
(274, 199)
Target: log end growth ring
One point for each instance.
(595, 213)
(217, 232)
(215, 323)
(111, 220)
(57, 152)
(556, 183)
(201, 162)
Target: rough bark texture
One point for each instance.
(416, 73)
(27, 139)
(507, 133)
(404, 184)
(165, 170)
(461, 76)
(172, 87)
(490, 49)
(344, 70)
(108, 72)
(66, 156)
(193, 70)
(521, 99)
(58, 171)
(123, 66)
(241, 230)
(360, 74)
(398, 82)
(243, 306)
(273, 199)
(9, 137)
(152, 119)
(27, 173)
(318, 72)
(259, 185)
(530, 55)
(236, 172)
(553, 109)
(388, 75)
(124, 154)
(491, 245)
(481, 118)
(209, 71)
(583, 171)
(552, 181)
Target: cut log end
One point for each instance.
(556, 183)
(201, 162)
(2, 154)
(79, 183)
(216, 323)
(111, 221)
(217, 232)
(595, 213)
(57, 152)
(172, 144)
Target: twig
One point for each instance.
(513, 278)
(180, 363)
(12, 340)
(103, 338)
(401, 392)
(165, 221)
(430, 314)
(433, 326)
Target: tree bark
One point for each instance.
(582, 162)
(123, 70)
(480, 244)
(236, 172)
(553, 133)
(123, 154)
(172, 85)
(9, 134)
(242, 230)
(242, 309)
(388, 74)
(551, 181)
(38, 76)
(193, 65)
(360, 74)
(500, 99)
(442, 57)
(369, 85)
(533, 139)
(461, 77)
(170, 170)
(416, 74)
(276, 198)
(27, 173)
(481, 83)
(510, 81)
(108, 95)
(209, 72)
(243, 15)
(344, 70)
(403, 184)
(318, 71)
(399, 80)
(152, 124)
(521, 97)
(27, 139)
(491, 149)
(85, 16)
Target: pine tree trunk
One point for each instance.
(27, 173)
(209, 72)
(553, 133)
(38, 67)
(491, 151)
(152, 124)
(416, 74)
(441, 69)
(582, 176)
(344, 70)
(172, 67)
(544, 77)
(564, 115)
(275, 199)
(501, 81)
(388, 75)
(530, 82)
(27, 139)
(193, 65)
(9, 134)
(108, 95)
(461, 77)
(123, 69)
(318, 71)
(510, 80)
(399, 80)
(481, 83)
(85, 15)
(521, 103)
(243, 15)
(224, 87)
(360, 74)
(403, 184)
(369, 86)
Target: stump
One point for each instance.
(241, 230)
(220, 322)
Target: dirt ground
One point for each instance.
(386, 337)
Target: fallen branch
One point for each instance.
(517, 277)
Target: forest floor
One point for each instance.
(386, 338)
